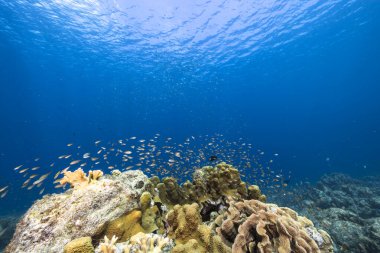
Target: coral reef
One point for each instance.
(216, 213)
(209, 183)
(57, 219)
(7, 228)
(79, 245)
(253, 226)
(349, 209)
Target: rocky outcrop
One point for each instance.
(57, 219)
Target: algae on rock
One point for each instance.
(57, 219)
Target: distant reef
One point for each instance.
(127, 212)
(7, 228)
(348, 208)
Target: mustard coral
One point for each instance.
(185, 226)
(125, 226)
(79, 245)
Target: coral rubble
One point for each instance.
(215, 213)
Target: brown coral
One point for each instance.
(253, 226)
(185, 226)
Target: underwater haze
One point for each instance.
(299, 80)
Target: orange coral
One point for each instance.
(95, 174)
(78, 178)
(75, 179)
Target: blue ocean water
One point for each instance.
(300, 79)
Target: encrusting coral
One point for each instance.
(186, 228)
(79, 245)
(253, 226)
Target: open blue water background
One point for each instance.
(297, 78)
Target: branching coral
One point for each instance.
(78, 178)
(185, 226)
(253, 226)
(148, 243)
(108, 246)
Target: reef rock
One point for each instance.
(57, 219)
(348, 208)
(7, 228)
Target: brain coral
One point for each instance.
(253, 226)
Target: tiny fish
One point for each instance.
(42, 191)
(74, 162)
(22, 171)
(97, 142)
(4, 188)
(18, 167)
(4, 194)
(35, 168)
(57, 174)
(69, 145)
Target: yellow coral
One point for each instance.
(125, 226)
(79, 245)
(185, 226)
(145, 200)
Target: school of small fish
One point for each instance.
(155, 156)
